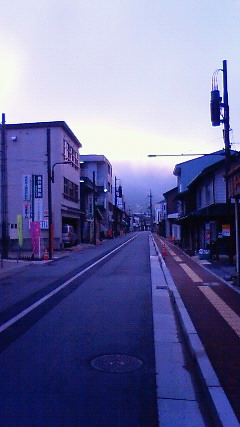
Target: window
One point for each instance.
(199, 198)
(209, 192)
(70, 154)
(70, 190)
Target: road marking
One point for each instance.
(190, 273)
(177, 258)
(226, 312)
(55, 291)
(171, 252)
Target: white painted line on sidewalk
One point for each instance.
(226, 312)
(55, 291)
(190, 273)
(177, 258)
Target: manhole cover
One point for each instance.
(116, 363)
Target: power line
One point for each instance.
(186, 154)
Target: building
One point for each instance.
(187, 171)
(96, 173)
(160, 217)
(35, 153)
(207, 221)
(172, 228)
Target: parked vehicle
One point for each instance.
(69, 236)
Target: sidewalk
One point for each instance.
(218, 401)
(220, 268)
(177, 397)
(12, 266)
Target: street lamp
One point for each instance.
(58, 163)
(50, 170)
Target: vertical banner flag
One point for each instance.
(20, 230)
(35, 233)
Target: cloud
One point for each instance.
(137, 180)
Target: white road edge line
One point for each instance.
(23, 313)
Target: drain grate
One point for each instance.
(208, 284)
(161, 287)
(116, 363)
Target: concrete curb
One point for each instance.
(219, 404)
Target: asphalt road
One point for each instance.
(83, 354)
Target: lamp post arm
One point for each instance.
(58, 163)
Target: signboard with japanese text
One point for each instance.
(234, 182)
(27, 187)
(44, 224)
(38, 186)
(38, 209)
(225, 230)
(26, 210)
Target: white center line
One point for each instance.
(55, 291)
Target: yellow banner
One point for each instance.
(20, 231)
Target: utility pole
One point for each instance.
(94, 210)
(115, 204)
(226, 126)
(151, 212)
(4, 191)
(226, 131)
(115, 194)
(50, 216)
(216, 106)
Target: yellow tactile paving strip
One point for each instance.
(190, 273)
(223, 309)
(226, 312)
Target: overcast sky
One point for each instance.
(130, 78)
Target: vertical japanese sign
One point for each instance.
(26, 195)
(38, 186)
(26, 210)
(38, 198)
(27, 187)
